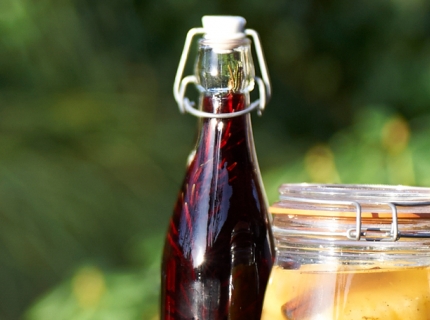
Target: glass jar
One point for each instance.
(350, 252)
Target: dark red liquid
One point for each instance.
(218, 252)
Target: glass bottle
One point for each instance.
(350, 252)
(218, 251)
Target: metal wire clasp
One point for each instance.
(180, 84)
(384, 234)
(359, 232)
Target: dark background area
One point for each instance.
(93, 147)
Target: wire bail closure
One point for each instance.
(386, 234)
(180, 84)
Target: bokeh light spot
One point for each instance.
(89, 286)
(395, 135)
(320, 165)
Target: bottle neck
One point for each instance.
(228, 141)
(225, 78)
(233, 134)
(221, 102)
(222, 72)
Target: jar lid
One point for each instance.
(343, 200)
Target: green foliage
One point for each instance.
(92, 293)
(92, 147)
(379, 148)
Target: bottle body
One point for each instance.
(218, 252)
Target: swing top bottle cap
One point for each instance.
(223, 29)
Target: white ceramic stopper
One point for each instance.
(223, 29)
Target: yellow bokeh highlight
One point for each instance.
(88, 286)
(320, 165)
(395, 135)
(399, 161)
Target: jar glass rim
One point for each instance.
(334, 199)
(351, 192)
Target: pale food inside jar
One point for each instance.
(345, 293)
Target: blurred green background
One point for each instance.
(93, 147)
